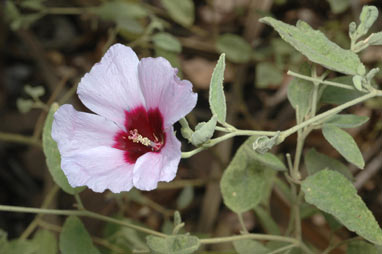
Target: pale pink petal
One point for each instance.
(76, 131)
(112, 85)
(151, 168)
(99, 168)
(162, 88)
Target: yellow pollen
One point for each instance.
(138, 138)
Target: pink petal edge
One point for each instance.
(162, 88)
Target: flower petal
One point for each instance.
(76, 131)
(154, 167)
(112, 85)
(98, 168)
(163, 89)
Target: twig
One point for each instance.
(17, 138)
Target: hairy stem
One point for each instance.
(17, 138)
(286, 133)
(330, 83)
(83, 213)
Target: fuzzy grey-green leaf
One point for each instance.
(316, 46)
(367, 18)
(344, 144)
(267, 74)
(204, 132)
(216, 93)
(361, 247)
(338, 6)
(53, 158)
(375, 39)
(245, 172)
(167, 42)
(357, 82)
(235, 47)
(75, 239)
(300, 92)
(174, 244)
(181, 12)
(248, 246)
(338, 95)
(45, 242)
(316, 161)
(347, 120)
(333, 193)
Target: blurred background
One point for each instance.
(47, 46)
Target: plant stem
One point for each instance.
(17, 138)
(330, 248)
(330, 83)
(93, 215)
(80, 205)
(284, 134)
(84, 213)
(290, 131)
(48, 199)
(241, 220)
(283, 249)
(257, 237)
(64, 10)
(232, 134)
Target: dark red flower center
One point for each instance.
(144, 133)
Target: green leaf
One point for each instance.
(24, 105)
(248, 246)
(19, 246)
(333, 223)
(32, 4)
(245, 172)
(266, 221)
(333, 193)
(368, 16)
(268, 160)
(204, 131)
(181, 11)
(125, 238)
(347, 120)
(177, 218)
(174, 244)
(22, 21)
(74, 239)
(375, 39)
(11, 13)
(216, 96)
(267, 74)
(316, 162)
(185, 197)
(361, 247)
(317, 47)
(344, 144)
(235, 47)
(357, 82)
(337, 95)
(53, 159)
(123, 14)
(276, 246)
(300, 92)
(167, 42)
(45, 242)
(339, 6)
(119, 10)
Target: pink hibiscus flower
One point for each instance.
(130, 140)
